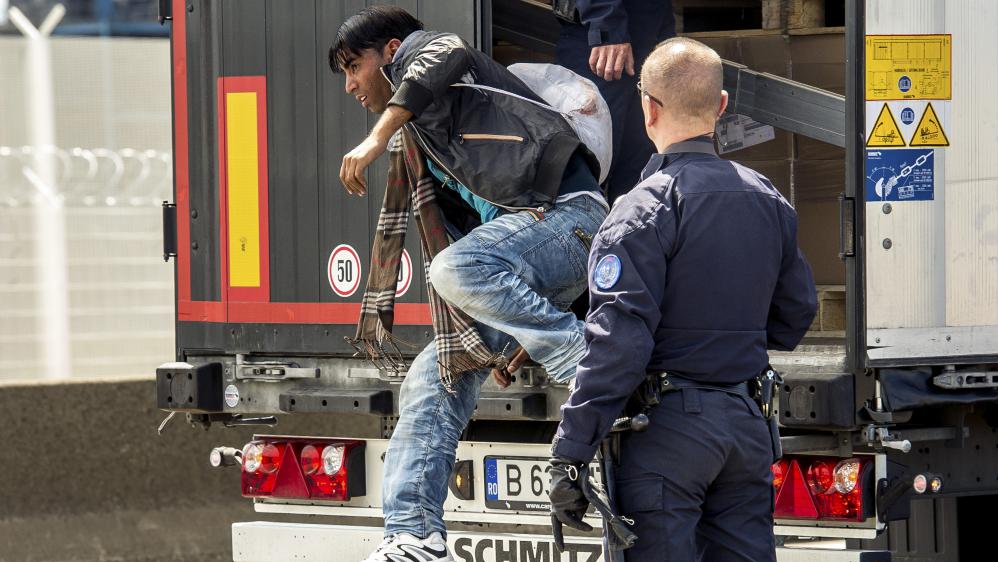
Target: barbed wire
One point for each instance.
(88, 177)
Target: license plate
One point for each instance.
(520, 483)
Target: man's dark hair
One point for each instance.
(370, 28)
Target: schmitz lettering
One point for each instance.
(497, 550)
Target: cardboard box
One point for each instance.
(831, 315)
(818, 180)
(810, 149)
(762, 51)
(818, 238)
(818, 60)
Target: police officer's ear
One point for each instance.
(652, 112)
(388, 53)
(724, 103)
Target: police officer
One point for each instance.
(695, 274)
(605, 41)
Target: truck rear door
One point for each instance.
(929, 191)
(271, 252)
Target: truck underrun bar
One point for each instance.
(786, 104)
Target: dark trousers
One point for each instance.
(697, 482)
(631, 147)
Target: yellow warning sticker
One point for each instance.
(885, 130)
(908, 67)
(929, 131)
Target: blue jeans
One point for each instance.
(516, 276)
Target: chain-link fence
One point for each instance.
(84, 167)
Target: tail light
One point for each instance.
(301, 468)
(824, 488)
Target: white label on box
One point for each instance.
(735, 132)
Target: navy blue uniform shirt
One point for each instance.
(696, 272)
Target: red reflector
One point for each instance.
(290, 483)
(794, 499)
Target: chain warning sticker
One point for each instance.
(900, 175)
(909, 67)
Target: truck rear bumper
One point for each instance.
(263, 541)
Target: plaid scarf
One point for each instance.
(460, 347)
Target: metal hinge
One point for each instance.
(847, 227)
(165, 11)
(970, 378)
(169, 230)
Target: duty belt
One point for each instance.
(760, 389)
(668, 382)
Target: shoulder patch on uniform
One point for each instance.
(607, 272)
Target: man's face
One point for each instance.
(365, 81)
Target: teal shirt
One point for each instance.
(577, 177)
(487, 211)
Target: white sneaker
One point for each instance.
(404, 547)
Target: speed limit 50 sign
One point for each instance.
(344, 270)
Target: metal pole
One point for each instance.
(49, 215)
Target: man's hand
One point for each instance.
(356, 161)
(609, 62)
(504, 377)
(568, 501)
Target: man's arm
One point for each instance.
(795, 299)
(430, 71)
(606, 21)
(356, 161)
(624, 314)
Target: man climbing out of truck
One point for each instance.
(505, 199)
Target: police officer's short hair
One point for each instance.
(687, 75)
(370, 28)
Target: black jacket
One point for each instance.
(505, 150)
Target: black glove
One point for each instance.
(568, 501)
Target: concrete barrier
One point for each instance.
(85, 477)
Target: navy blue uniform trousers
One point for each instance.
(698, 482)
(631, 147)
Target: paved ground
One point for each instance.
(85, 477)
